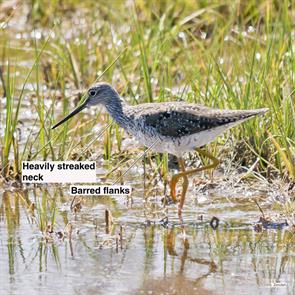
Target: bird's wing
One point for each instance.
(177, 119)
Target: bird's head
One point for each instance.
(100, 93)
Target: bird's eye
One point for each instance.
(92, 92)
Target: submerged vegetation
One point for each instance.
(227, 55)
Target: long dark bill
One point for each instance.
(73, 113)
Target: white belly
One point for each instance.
(181, 145)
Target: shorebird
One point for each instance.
(172, 127)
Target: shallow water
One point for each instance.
(154, 255)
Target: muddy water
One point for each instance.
(141, 251)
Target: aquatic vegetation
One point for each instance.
(48, 234)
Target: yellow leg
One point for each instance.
(183, 174)
(184, 184)
(175, 179)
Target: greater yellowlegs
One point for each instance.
(172, 127)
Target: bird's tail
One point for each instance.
(236, 117)
(260, 111)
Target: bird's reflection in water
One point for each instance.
(178, 282)
(170, 242)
